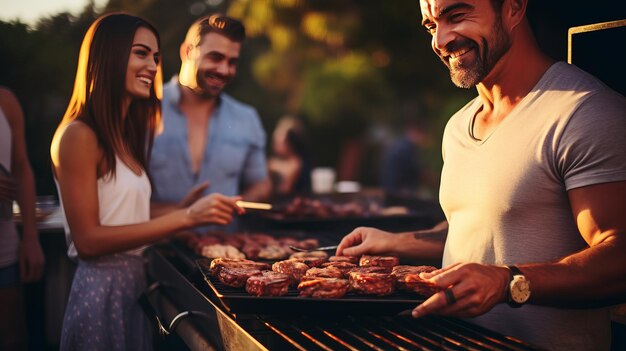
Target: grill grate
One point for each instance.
(286, 323)
(238, 300)
(387, 333)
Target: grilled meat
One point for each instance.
(293, 268)
(413, 282)
(236, 277)
(269, 283)
(218, 263)
(372, 283)
(330, 272)
(400, 272)
(219, 250)
(350, 259)
(381, 261)
(344, 267)
(324, 288)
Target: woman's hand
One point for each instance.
(193, 195)
(214, 208)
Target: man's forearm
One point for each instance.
(26, 201)
(424, 244)
(593, 277)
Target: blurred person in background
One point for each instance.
(21, 257)
(402, 171)
(533, 187)
(290, 163)
(99, 154)
(210, 142)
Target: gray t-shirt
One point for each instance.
(505, 197)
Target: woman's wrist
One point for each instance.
(189, 219)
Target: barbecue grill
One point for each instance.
(203, 315)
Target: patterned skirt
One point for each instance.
(102, 312)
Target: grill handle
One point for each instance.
(152, 313)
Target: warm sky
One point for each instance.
(29, 11)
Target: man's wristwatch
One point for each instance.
(518, 291)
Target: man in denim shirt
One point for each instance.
(210, 142)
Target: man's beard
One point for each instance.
(469, 74)
(205, 89)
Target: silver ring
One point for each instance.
(449, 296)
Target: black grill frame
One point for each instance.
(289, 331)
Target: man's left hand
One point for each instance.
(472, 289)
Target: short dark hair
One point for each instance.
(229, 27)
(497, 6)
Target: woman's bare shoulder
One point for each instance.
(78, 141)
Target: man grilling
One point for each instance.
(533, 186)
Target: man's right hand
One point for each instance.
(364, 240)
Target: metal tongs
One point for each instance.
(253, 205)
(323, 248)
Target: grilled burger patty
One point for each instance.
(379, 261)
(372, 283)
(292, 267)
(329, 272)
(324, 288)
(269, 283)
(221, 262)
(236, 277)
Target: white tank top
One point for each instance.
(9, 240)
(123, 200)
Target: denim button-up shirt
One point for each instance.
(234, 154)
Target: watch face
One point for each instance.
(520, 289)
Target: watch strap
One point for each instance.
(513, 271)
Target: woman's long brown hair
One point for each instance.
(99, 90)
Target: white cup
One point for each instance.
(347, 186)
(322, 180)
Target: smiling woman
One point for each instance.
(143, 62)
(99, 157)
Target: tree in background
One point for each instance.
(345, 66)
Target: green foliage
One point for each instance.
(345, 91)
(341, 65)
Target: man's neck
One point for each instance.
(192, 99)
(513, 77)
